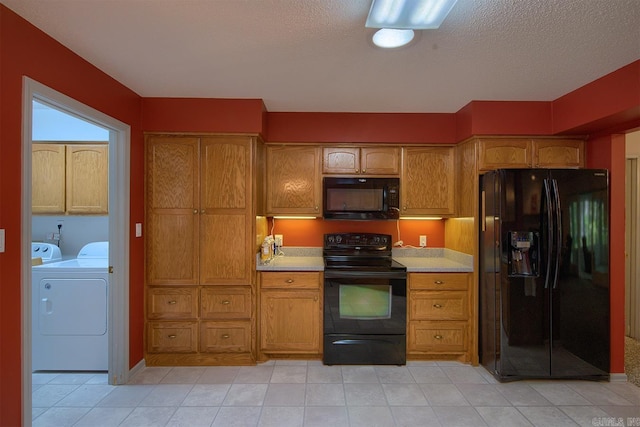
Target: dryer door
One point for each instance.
(72, 307)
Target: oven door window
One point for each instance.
(365, 305)
(365, 302)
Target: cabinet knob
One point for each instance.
(225, 336)
(225, 302)
(316, 208)
(364, 171)
(438, 337)
(172, 336)
(202, 211)
(289, 280)
(172, 302)
(357, 171)
(195, 211)
(439, 282)
(437, 305)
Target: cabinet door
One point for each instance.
(380, 160)
(87, 179)
(340, 160)
(294, 183)
(504, 153)
(428, 181)
(48, 179)
(172, 188)
(225, 253)
(558, 153)
(290, 321)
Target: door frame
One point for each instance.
(119, 201)
(632, 247)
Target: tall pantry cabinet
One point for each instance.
(201, 206)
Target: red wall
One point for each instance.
(361, 127)
(608, 152)
(202, 115)
(608, 103)
(24, 50)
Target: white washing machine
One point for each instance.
(45, 252)
(70, 312)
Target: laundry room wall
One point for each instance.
(50, 125)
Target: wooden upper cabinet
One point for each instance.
(173, 203)
(361, 160)
(504, 153)
(293, 180)
(48, 179)
(428, 181)
(497, 153)
(70, 178)
(87, 179)
(224, 179)
(558, 153)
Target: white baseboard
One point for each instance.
(618, 378)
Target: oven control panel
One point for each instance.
(354, 240)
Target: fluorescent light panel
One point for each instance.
(408, 14)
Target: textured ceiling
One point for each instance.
(316, 55)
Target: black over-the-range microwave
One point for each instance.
(361, 198)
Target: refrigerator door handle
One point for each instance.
(558, 221)
(547, 192)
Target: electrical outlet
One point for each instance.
(278, 238)
(423, 241)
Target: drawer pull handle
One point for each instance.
(225, 302)
(439, 282)
(438, 337)
(172, 302)
(225, 336)
(289, 280)
(437, 305)
(172, 336)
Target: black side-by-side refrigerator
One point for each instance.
(544, 273)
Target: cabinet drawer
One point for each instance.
(438, 336)
(225, 337)
(225, 302)
(174, 337)
(172, 303)
(295, 280)
(439, 281)
(439, 305)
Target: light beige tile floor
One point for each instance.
(301, 393)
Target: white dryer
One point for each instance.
(70, 312)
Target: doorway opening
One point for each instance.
(117, 223)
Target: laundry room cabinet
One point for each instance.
(70, 178)
(201, 203)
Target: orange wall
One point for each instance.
(24, 50)
(310, 232)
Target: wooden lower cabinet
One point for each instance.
(440, 319)
(205, 325)
(225, 337)
(290, 314)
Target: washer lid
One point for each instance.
(94, 250)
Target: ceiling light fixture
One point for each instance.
(398, 18)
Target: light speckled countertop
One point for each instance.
(415, 259)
